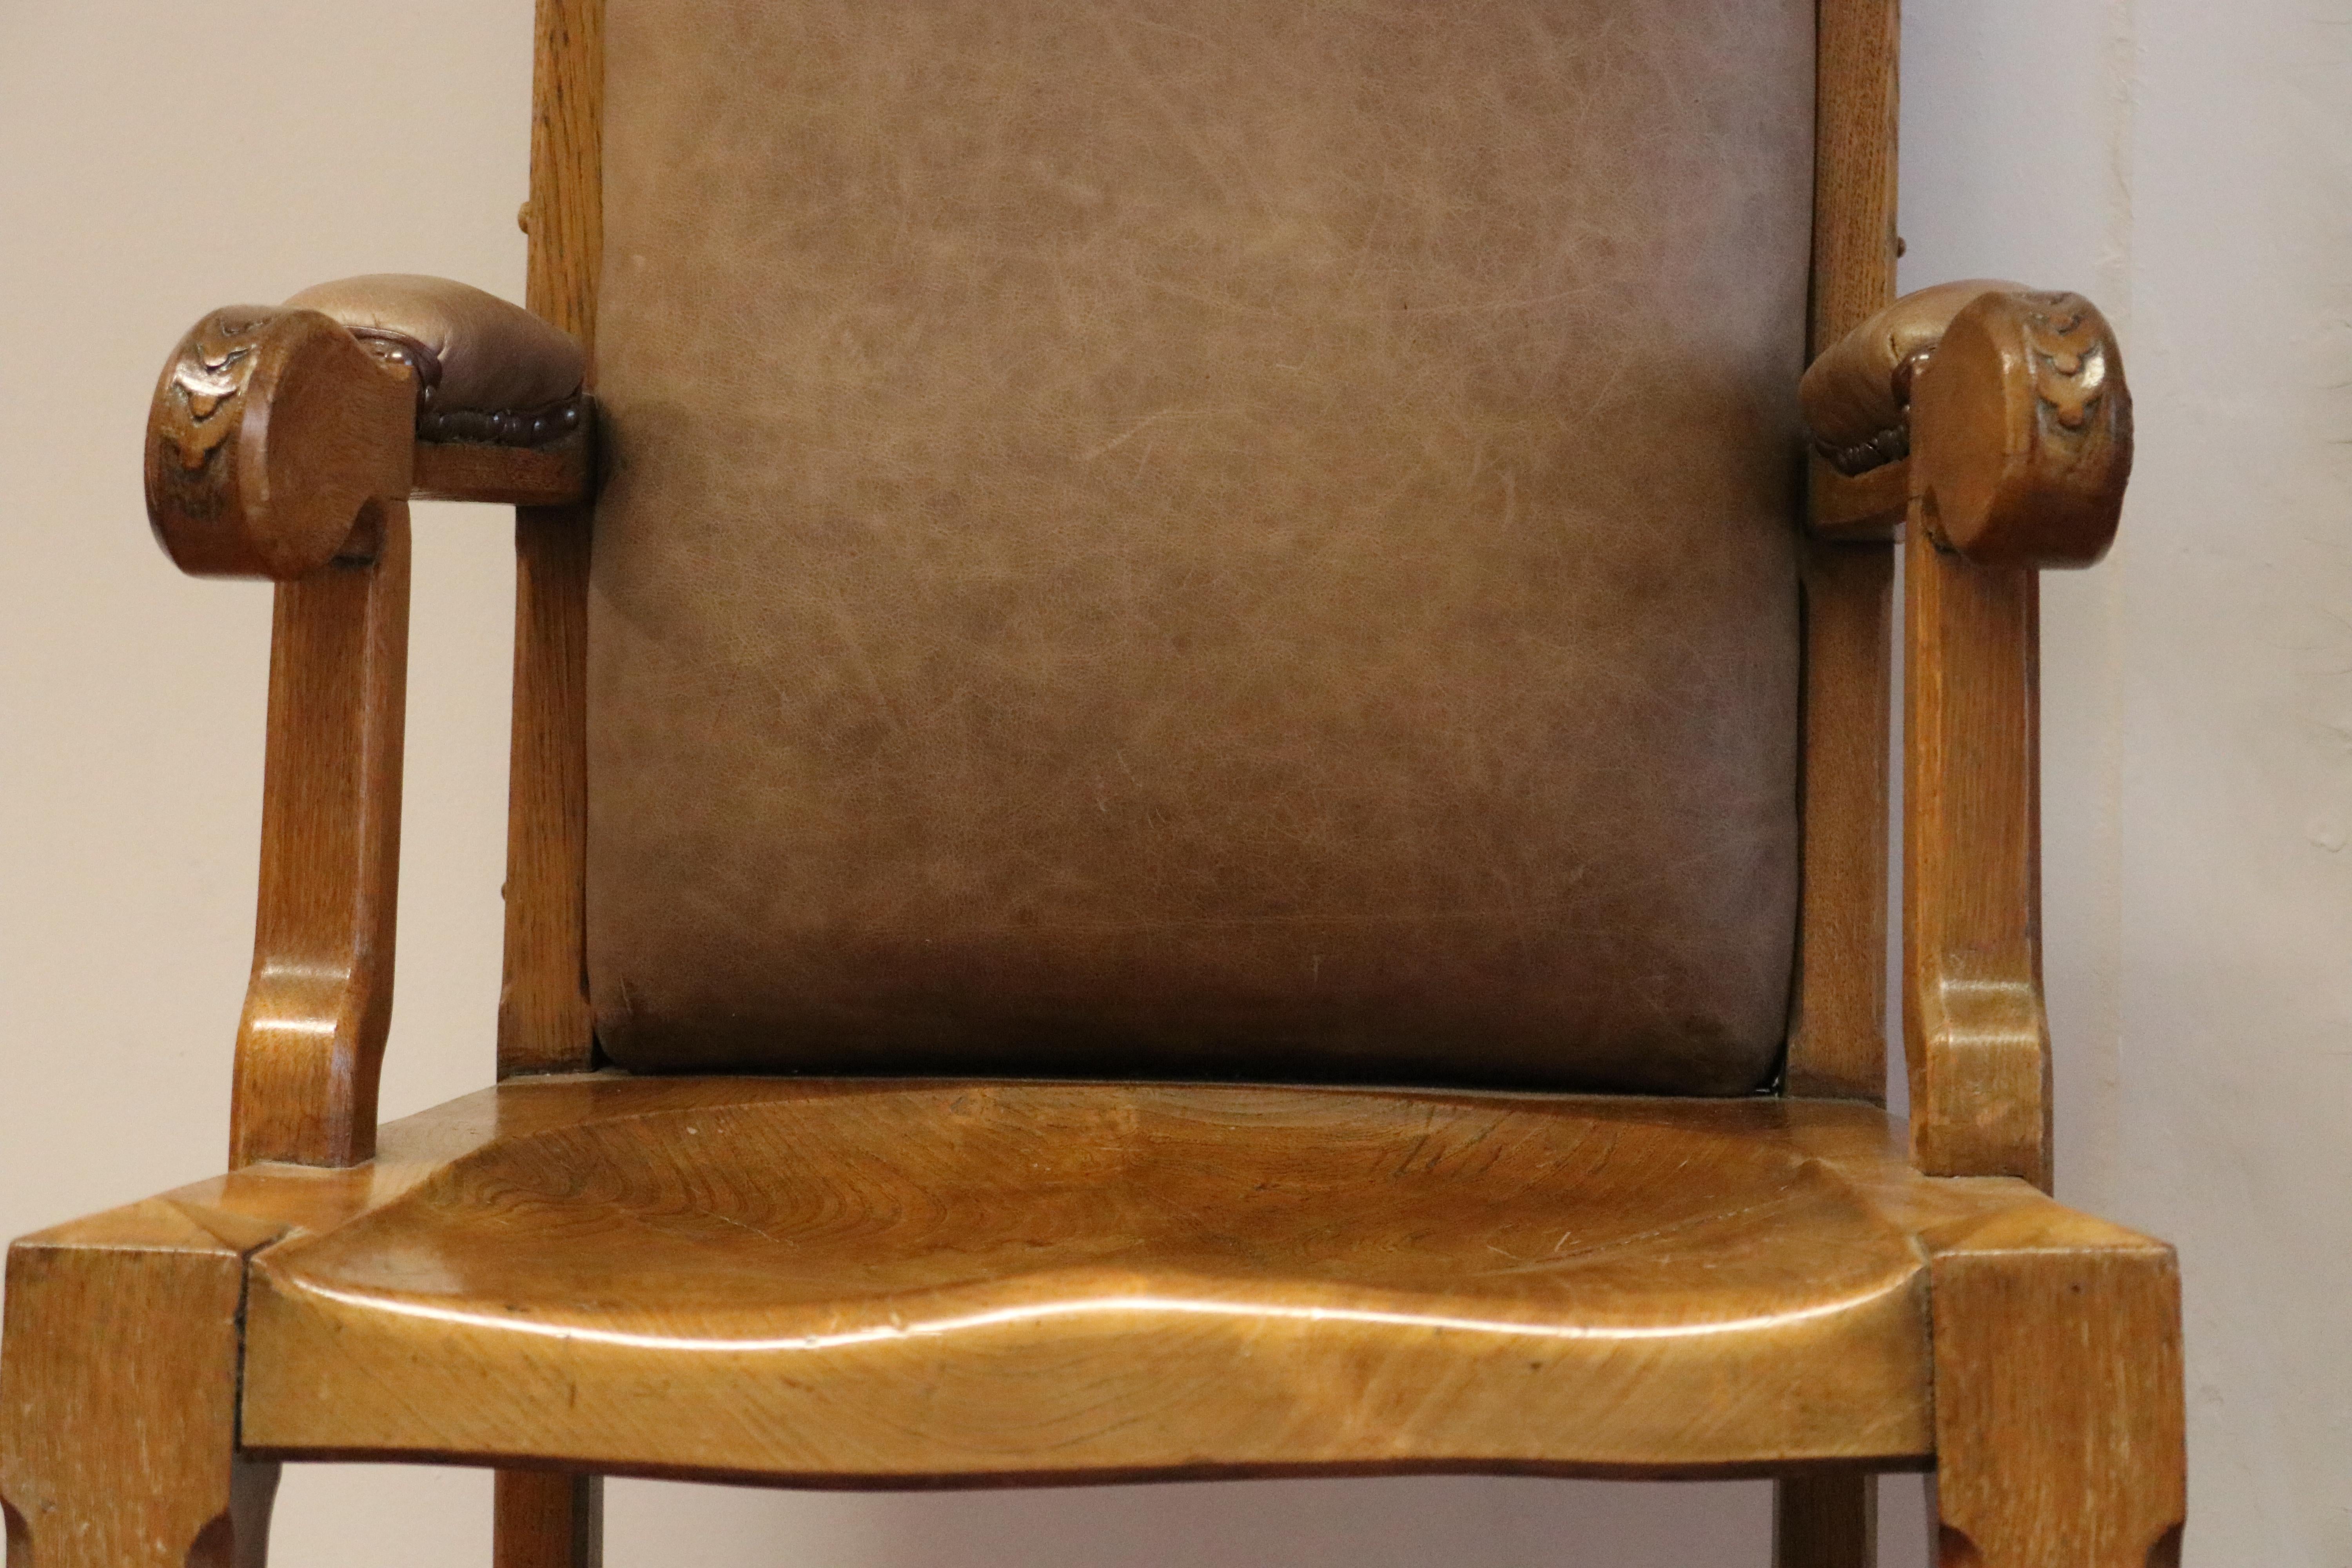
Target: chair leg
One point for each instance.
(2059, 1416)
(1828, 1521)
(549, 1520)
(118, 1395)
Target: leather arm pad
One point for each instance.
(274, 426)
(486, 370)
(2011, 406)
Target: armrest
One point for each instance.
(1996, 421)
(273, 427)
(284, 442)
(2003, 410)
(488, 370)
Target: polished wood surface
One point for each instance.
(548, 1519)
(544, 1024)
(861, 1282)
(1837, 1027)
(1838, 1016)
(2022, 433)
(846, 1281)
(2019, 426)
(556, 475)
(2060, 1421)
(841, 1281)
(1857, 90)
(279, 447)
(1826, 1521)
(118, 1393)
(1976, 1035)
(310, 1042)
(272, 428)
(2004, 410)
(1864, 508)
(269, 431)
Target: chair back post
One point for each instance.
(1837, 1029)
(544, 1023)
(551, 1519)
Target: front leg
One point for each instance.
(2060, 1427)
(118, 1377)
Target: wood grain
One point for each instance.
(544, 1023)
(1867, 508)
(862, 1282)
(554, 475)
(1975, 1040)
(1837, 1023)
(311, 1043)
(269, 431)
(1837, 1020)
(2060, 1425)
(841, 1282)
(1838, 1016)
(1826, 1521)
(118, 1395)
(547, 1519)
(1857, 96)
(567, 168)
(2004, 407)
(2021, 432)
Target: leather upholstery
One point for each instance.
(1207, 537)
(491, 354)
(1857, 396)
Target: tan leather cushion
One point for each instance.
(1208, 536)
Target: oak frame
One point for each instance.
(1970, 780)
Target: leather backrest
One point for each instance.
(1248, 538)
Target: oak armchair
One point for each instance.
(1201, 810)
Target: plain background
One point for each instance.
(2183, 161)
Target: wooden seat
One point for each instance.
(841, 1280)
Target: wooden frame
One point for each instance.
(543, 1018)
(2054, 1421)
(1838, 1021)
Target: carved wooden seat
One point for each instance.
(874, 1280)
(1118, 561)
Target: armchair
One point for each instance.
(1200, 812)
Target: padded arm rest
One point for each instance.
(272, 427)
(488, 370)
(2011, 406)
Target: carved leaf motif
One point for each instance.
(210, 376)
(2069, 359)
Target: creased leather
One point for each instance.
(1857, 396)
(1200, 537)
(492, 355)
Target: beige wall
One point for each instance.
(2183, 161)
